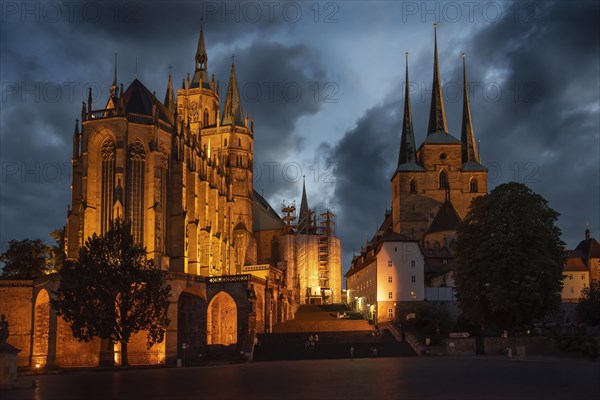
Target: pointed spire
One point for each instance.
(407, 141)
(115, 73)
(200, 78)
(76, 140)
(201, 56)
(437, 115)
(232, 113)
(304, 202)
(467, 137)
(89, 104)
(170, 95)
(304, 220)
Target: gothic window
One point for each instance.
(136, 162)
(205, 117)
(443, 180)
(107, 154)
(240, 142)
(164, 165)
(225, 142)
(413, 186)
(473, 185)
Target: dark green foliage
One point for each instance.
(586, 346)
(588, 308)
(113, 291)
(26, 259)
(57, 251)
(508, 259)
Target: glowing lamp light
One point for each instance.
(37, 366)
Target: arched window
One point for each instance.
(136, 163)
(205, 117)
(107, 154)
(164, 176)
(413, 186)
(443, 180)
(473, 185)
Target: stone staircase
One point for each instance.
(336, 337)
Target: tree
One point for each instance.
(57, 251)
(113, 291)
(508, 259)
(588, 308)
(26, 259)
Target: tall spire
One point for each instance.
(407, 141)
(114, 89)
(201, 56)
(437, 115)
(467, 137)
(304, 217)
(200, 78)
(170, 95)
(76, 140)
(232, 112)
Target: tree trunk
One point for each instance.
(124, 359)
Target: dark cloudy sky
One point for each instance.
(324, 84)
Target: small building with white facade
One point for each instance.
(389, 270)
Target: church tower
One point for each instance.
(227, 138)
(433, 185)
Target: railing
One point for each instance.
(228, 279)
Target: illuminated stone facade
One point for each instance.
(434, 184)
(181, 172)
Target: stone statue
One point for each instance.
(3, 329)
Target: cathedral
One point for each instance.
(432, 189)
(181, 172)
(435, 183)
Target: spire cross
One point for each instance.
(170, 68)
(232, 58)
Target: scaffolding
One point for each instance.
(316, 252)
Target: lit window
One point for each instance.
(390, 295)
(108, 184)
(390, 313)
(390, 279)
(389, 263)
(413, 279)
(473, 185)
(136, 167)
(413, 294)
(443, 180)
(412, 263)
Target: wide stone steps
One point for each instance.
(331, 345)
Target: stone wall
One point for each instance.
(534, 345)
(16, 304)
(459, 346)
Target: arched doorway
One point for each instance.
(221, 320)
(191, 323)
(41, 329)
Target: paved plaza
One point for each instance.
(374, 378)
